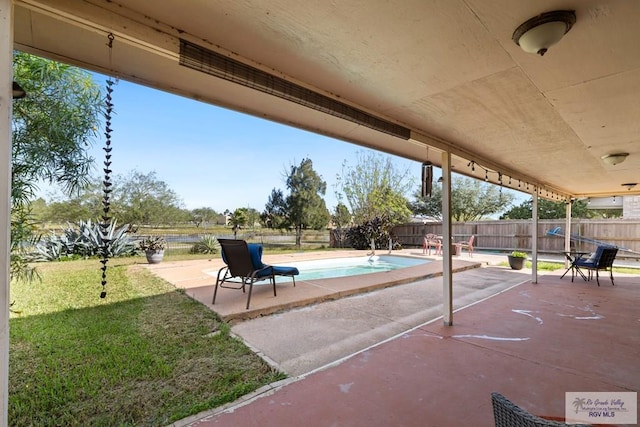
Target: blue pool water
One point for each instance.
(342, 267)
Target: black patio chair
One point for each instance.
(244, 267)
(508, 414)
(602, 259)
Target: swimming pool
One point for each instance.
(353, 266)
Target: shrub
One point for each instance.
(84, 239)
(360, 236)
(208, 244)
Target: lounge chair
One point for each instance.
(244, 267)
(468, 245)
(602, 259)
(429, 241)
(508, 414)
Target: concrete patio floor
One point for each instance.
(382, 360)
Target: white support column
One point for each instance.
(6, 100)
(534, 236)
(567, 232)
(447, 261)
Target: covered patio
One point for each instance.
(442, 83)
(531, 342)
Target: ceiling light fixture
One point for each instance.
(629, 185)
(543, 31)
(614, 158)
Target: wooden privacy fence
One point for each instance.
(509, 235)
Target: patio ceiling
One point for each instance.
(447, 72)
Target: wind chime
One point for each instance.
(105, 225)
(427, 179)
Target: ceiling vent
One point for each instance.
(218, 65)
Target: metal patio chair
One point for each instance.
(431, 241)
(468, 245)
(602, 259)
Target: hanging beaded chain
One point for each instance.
(106, 183)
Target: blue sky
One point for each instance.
(213, 157)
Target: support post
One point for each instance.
(6, 100)
(534, 236)
(567, 234)
(447, 260)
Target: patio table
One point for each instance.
(573, 257)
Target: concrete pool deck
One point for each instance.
(197, 278)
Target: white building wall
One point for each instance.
(631, 207)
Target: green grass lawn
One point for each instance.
(146, 355)
(542, 265)
(550, 266)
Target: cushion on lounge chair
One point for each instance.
(280, 270)
(255, 250)
(256, 255)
